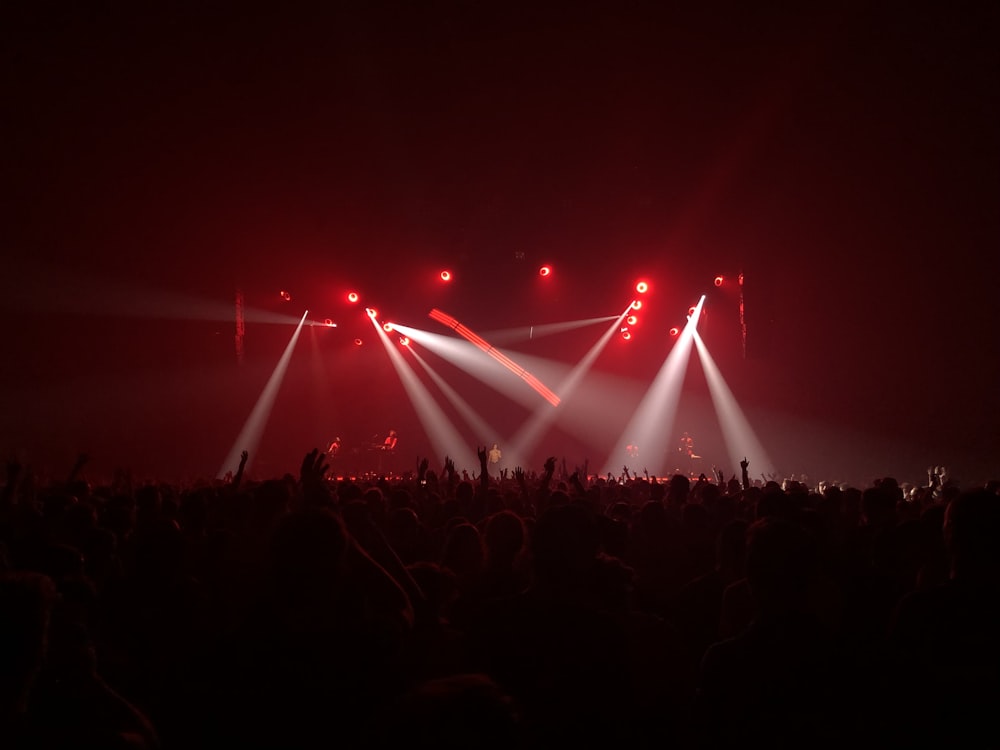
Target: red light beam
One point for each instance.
(469, 335)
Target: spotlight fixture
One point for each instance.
(353, 297)
(404, 340)
(632, 320)
(358, 342)
(691, 310)
(642, 287)
(674, 331)
(719, 280)
(446, 276)
(637, 305)
(329, 323)
(371, 312)
(387, 327)
(286, 296)
(545, 271)
(626, 335)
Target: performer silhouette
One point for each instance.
(389, 444)
(334, 448)
(687, 455)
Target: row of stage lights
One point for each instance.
(641, 287)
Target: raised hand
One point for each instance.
(449, 466)
(481, 452)
(313, 468)
(744, 464)
(235, 480)
(550, 465)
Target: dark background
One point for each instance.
(843, 157)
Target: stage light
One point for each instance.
(286, 296)
(358, 342)
(253, 429)
(387, 327)
(329, 323)
(353, 297)
(405, 341)
(371, 312)
(474, 338)
(642, 287)
(626, 335)
(719, 280)
(637, 305)
(691, 310)
(446, 276)
(632, 320)
(674, 331)
(545, 271)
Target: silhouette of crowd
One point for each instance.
(525, 610)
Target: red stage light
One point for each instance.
(353, 297)
(719, 280)
(357, 342)
(286, 296)
(329, 323)
(469, 335)
(637, 305)
(404, 340)
(691, 310)
(387, 327)
(674, 331)
(446, 276)
(626, 335)
(545, 271)
(632, 320)
(372, 312)
(642, 287)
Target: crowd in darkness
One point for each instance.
(536, 609)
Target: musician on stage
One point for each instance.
(389, 444)
(334, 448)
(686, 446)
